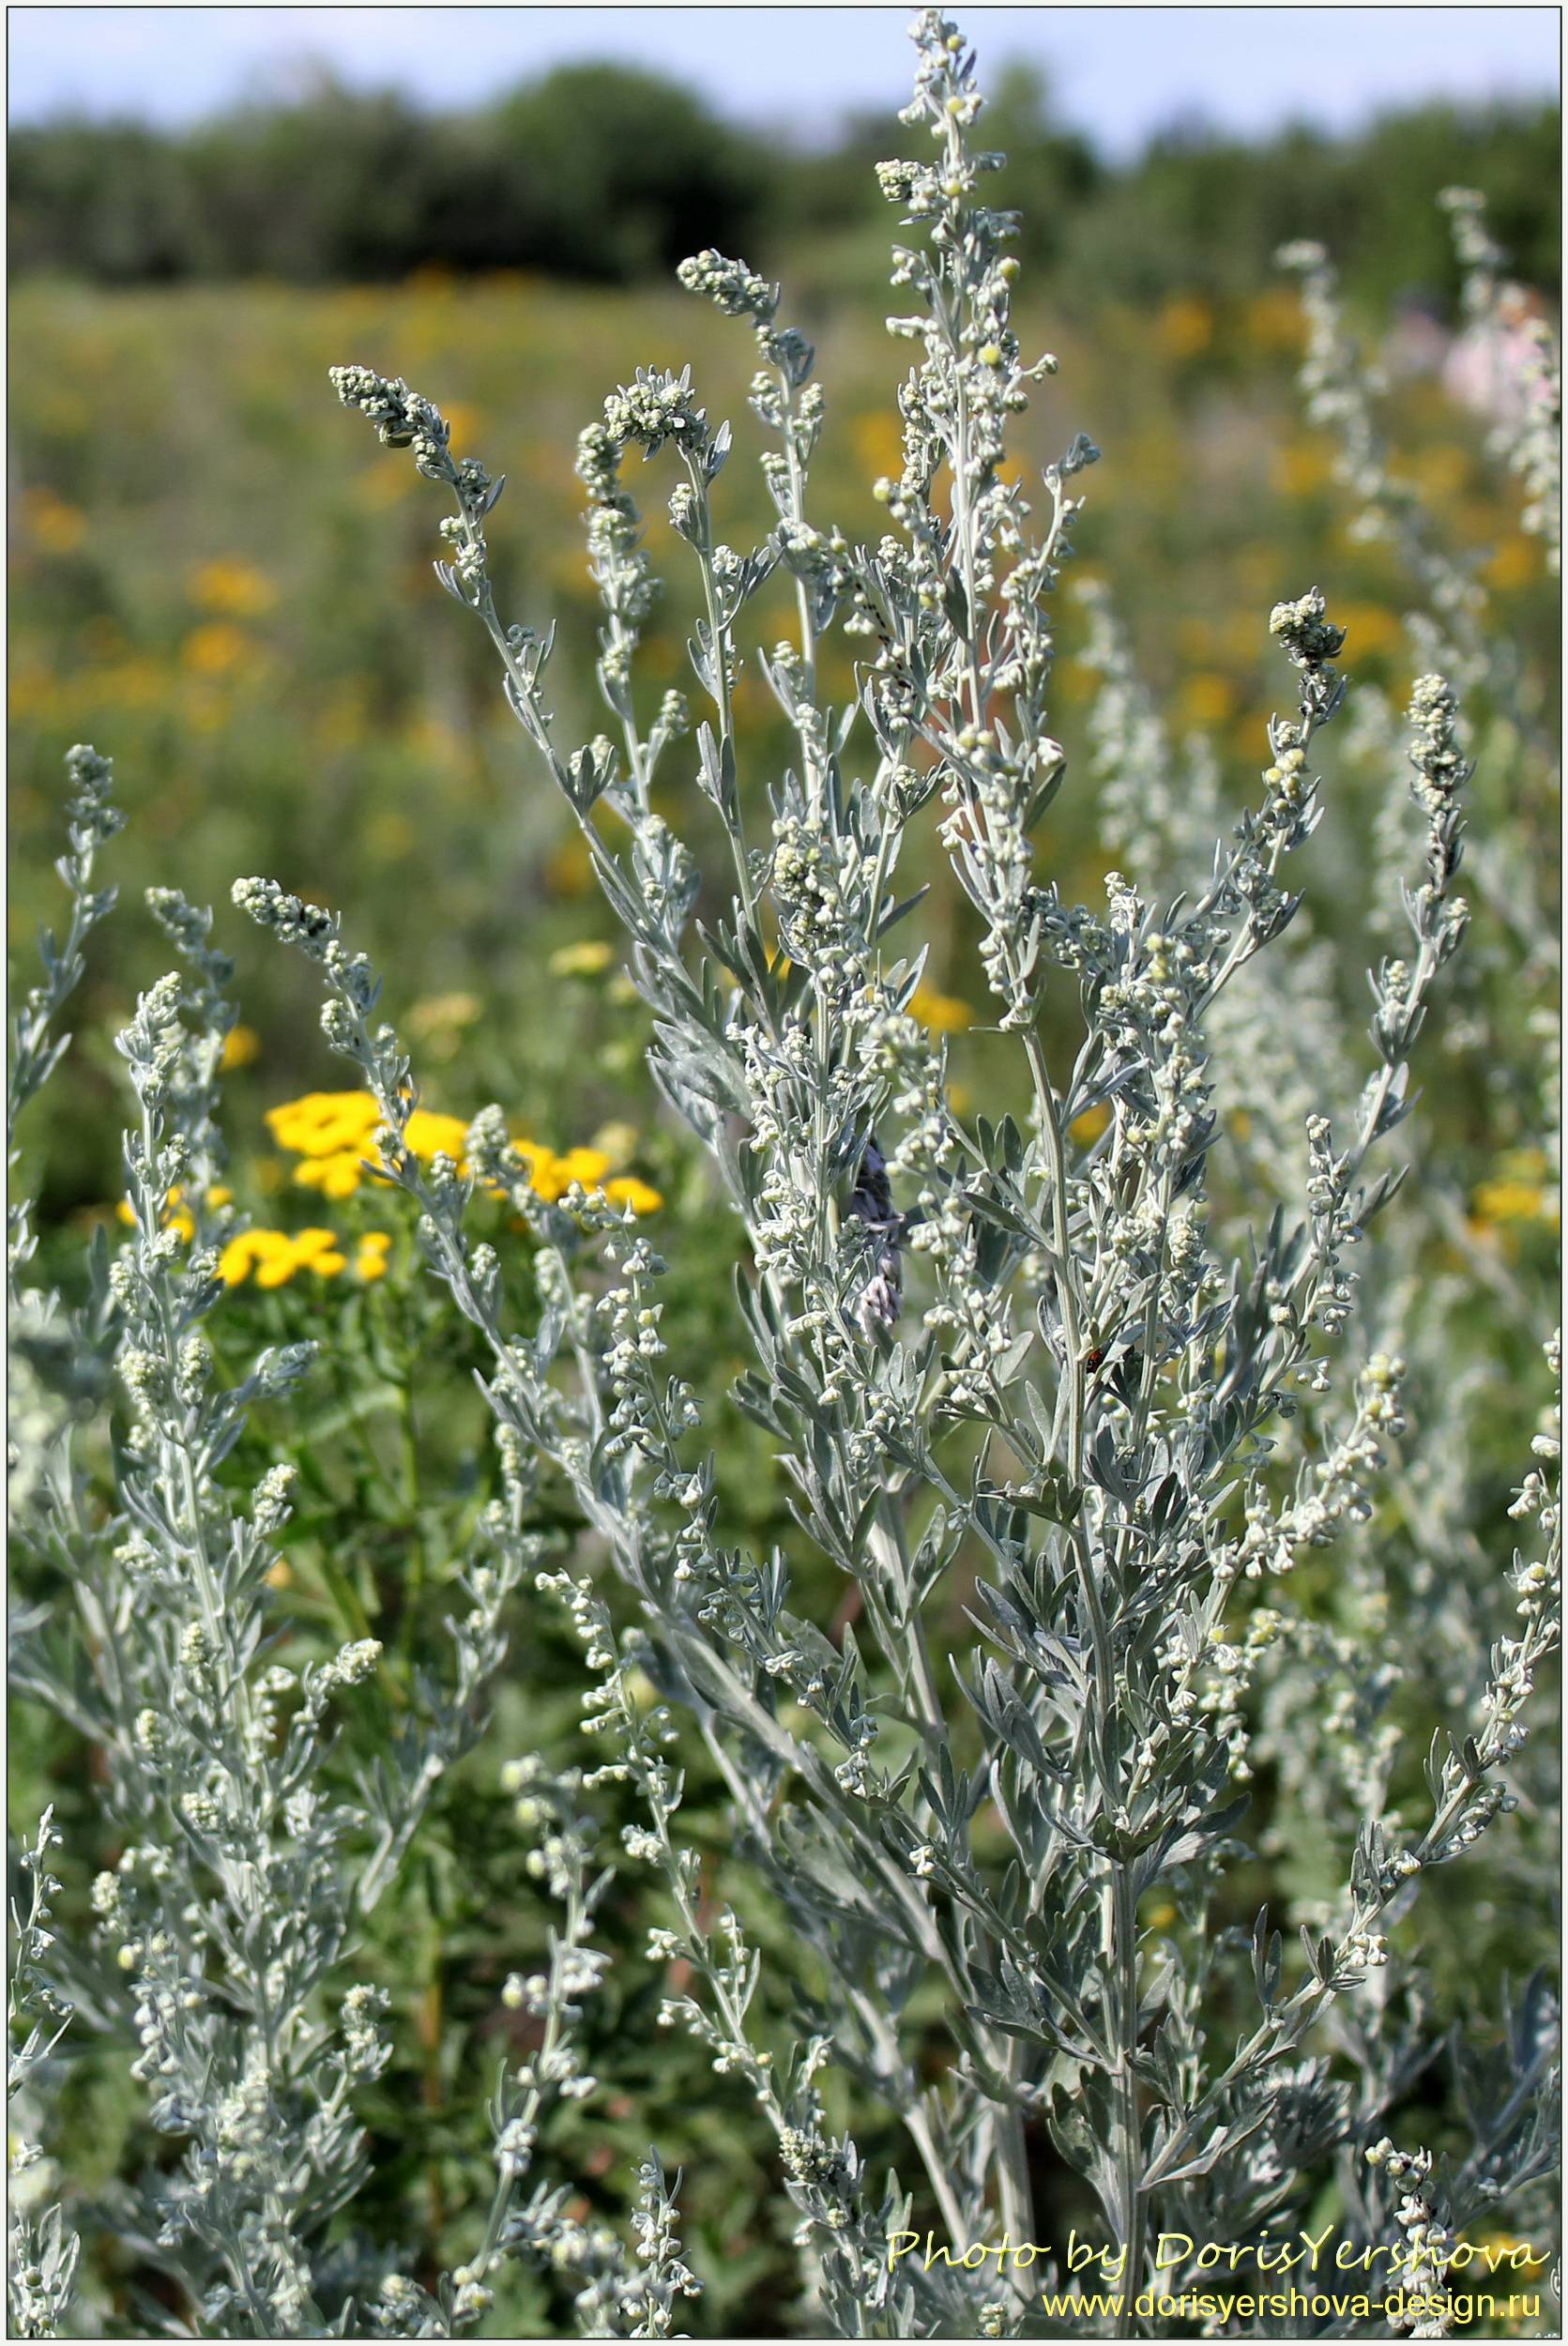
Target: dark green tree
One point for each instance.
(625, 172)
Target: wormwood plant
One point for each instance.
(1071, 1435)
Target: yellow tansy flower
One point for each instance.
(233, 587)
(336, 1177)
(1206, 699)
(587, 1165)
(430, 1135)
(543, 1168)
(370, 1262)
(269, 1254)
(278, 1265)
(215, 648)
(589, 959)
(58, 528)
(272, 1257)
(319, 1250)
(1185, 326)
(324, 1123)
(176, 1216)
(618, 1142)
(629, 1191)
(241, 1047)
(944, 1014)
(1519, 1192)
(443, 1010)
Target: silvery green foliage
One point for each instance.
(228, 1908)
(1158, 814)
(988, 1356)
(1447, 620)
(56, 1366)
(226, 1931)
(93, 820)
(1527, 427)
(55, 1376)
(1343, 393)
(589, 2258)
(41, 2253)
(1513, 736)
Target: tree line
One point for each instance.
(608, 173)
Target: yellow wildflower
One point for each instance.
(1206, 699)
(588, 959)
(336, 1177)
(215, 648)
(877, 440)
(276, 1268)
(1510, 1200)
(618, 1142)
(241, 1047)
(1185, 326)
(269, 1254)
(587, 1165)
(324, 1123)
(1274, 320)
(944, 1014)
(1516, 563)
(1520, 1190)
(58, 528)
(176, 1216)
(430, 1135)
(627, 1190)
(569, 871)
(273, 1257)
(1302, 468)
(370, 1262)
(542, 1167)
(233, 587)
(443, 1010)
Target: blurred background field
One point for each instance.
(218, 579)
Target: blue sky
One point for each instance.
(1119, 73)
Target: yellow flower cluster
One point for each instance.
(551, 1176)
(335, 1130)
(241, 1048)
(176, 1214)
(233, 587)
(334, 1133)
(1520, 1192)
(273, 1257)
(943, 1013)
(588, 959)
